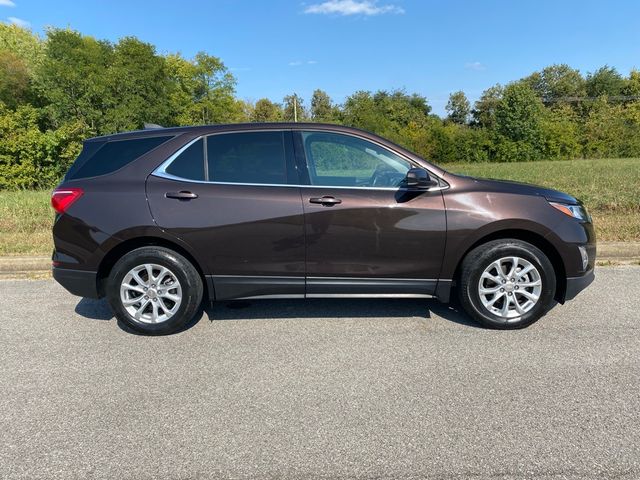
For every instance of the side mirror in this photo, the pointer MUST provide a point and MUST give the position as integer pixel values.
(419, 178)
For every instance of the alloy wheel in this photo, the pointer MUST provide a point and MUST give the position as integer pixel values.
(150, 293)
(510, 287)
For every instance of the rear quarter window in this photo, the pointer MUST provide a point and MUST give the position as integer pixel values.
(189, 164)
(101, 158)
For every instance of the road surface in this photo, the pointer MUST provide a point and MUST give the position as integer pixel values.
(384, 389)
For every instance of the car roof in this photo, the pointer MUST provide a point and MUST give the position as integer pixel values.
(221, 127)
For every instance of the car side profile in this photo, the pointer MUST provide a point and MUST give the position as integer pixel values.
(158, 220)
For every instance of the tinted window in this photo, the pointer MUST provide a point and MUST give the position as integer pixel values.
(190, 163)
(113, 155)
(343, 160)
(248, 157)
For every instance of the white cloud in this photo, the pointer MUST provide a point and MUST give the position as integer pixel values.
(352, 7)
(477, 66)
(297, 63)
(7, 3)
(19, 22)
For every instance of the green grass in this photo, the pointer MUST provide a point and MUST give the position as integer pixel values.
(609, 187)
(25, 223)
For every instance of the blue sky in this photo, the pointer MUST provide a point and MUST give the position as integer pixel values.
(275, 47)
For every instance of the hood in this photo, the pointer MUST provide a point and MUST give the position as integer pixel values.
(520, 188)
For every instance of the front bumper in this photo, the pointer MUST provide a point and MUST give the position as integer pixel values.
(77, 282)
(576, 284)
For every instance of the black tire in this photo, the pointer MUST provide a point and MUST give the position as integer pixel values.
(186, 274)
(478, 259)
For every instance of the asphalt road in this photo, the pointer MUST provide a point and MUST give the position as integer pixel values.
(379, 389)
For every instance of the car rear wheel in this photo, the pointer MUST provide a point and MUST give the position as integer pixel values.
(154, 290)
(507, 284)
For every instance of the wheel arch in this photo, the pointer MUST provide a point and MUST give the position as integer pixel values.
(534, 239)
(124, 247)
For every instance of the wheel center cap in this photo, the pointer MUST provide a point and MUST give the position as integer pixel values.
(151, 293)
(509, 287)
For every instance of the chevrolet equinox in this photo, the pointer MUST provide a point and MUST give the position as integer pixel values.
(160, 219)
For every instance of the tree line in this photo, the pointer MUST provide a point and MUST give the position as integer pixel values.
(58, 90)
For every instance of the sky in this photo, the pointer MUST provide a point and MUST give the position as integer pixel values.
(431, 47)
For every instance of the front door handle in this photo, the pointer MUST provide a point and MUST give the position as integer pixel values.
(327, 201)
(182, 195)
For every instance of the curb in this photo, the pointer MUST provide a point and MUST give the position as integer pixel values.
(37, 266)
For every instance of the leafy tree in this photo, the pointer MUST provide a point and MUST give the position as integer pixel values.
(519, 118)
(73, 78)
(519, 113)
(604, 81)
(30, 157)
(390, 114)
(458, 108)
(484, 110)
(604, 130)
(22, 43)
(266, 111)
(632, 87)
(14, 79)
(137, 87)
(322, 108)
(557, 83)
(293, 108)
(203, 91)
(561, 132)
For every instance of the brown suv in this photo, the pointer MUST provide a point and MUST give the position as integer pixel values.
(155, 220)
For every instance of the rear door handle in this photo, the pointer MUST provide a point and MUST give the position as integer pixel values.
(182, 195)
(327, 201)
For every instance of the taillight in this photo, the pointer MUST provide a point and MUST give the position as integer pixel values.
(63, 198)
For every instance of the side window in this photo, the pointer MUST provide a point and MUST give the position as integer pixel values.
(247, 157)
(112, 155)
(340, 160)
(190, 163)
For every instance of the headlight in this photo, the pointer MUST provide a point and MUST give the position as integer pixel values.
(575, 211)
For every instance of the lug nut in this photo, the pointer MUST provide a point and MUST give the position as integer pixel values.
(146, 298)
(509, 294)
(502, 289)
(504, 281)
(145, 289)
(513, 279)
(517, 287)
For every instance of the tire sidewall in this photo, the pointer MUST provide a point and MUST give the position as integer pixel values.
(522, 250)
(191, 286)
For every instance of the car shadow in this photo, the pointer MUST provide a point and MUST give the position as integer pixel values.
(336, 308)
(299, 309)
(94, 309)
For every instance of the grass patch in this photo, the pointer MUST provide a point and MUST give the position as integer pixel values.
(609, 187)
(25, 223)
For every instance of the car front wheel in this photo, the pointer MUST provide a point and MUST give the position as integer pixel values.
(507, 284)
(154, 290)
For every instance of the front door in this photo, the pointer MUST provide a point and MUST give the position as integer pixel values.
(365, 233)
(233, 199)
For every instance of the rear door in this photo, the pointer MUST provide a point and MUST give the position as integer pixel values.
(364, 232)
(233, 198)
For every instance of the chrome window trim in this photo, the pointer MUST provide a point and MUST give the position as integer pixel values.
(161, 171)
